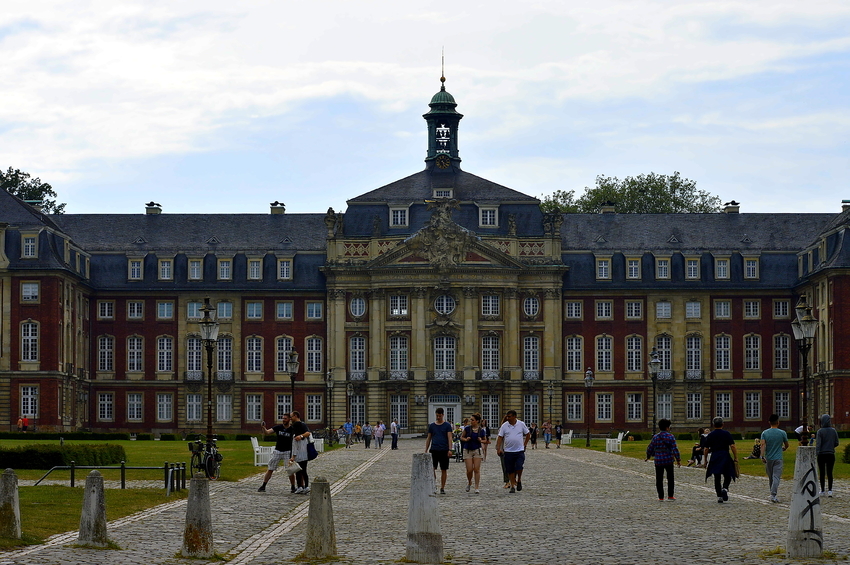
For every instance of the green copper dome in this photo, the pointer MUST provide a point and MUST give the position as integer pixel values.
(443, 97)
(442, 102)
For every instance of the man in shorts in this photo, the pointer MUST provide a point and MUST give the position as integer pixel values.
(513, 437)
(439, 445)
(282, 449)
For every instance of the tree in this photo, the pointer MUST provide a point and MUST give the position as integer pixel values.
(24, 187)
(643, 194)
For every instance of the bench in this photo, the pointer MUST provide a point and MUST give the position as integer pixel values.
(615, 444)
(567, 439)
(262, 453)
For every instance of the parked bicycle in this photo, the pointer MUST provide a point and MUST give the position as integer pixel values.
(330, 435)
(205, 457)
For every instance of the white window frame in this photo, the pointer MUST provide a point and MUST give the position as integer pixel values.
(224, 407)
(225, 269)
(752, 352)
(105, 353)
(634, 353)
(254, 310)
(634, 406)
(490, 353)
(490, 305)
(604, 309)
(194, 407)
(782, 404)
(284, 269)
(692, 269)
(135, 354)
(445, 353)
(781, 308)
(135, 269)
(29, 401)
(693, 406)
(253, 354)
(664, 405)
(135, 310)
(399, 352)
(751, 268)
(314, 407)
(663, 310)
(604, 354)
(490, 409)
(693, 309)
(604, 406)
(445, 304)
(575, 407)
(664, 348)
(193, 310)
(782, 352)
(633, 270)
(105, 406)
(166, 270)
(531, 353)
(164, 407)
(315, 310)
(531, 306)
(283, 344)
(224, 310)
(693, 353)
(603, 269)
(723, 405)
(488, 217)
(573, 309)
(30, 292)
(357, 306)
(662, 268)
(194, 353)
(283, 406)
(357, 354)
(399, 409)
(723, 352)
(283, 310)
(752, 405)
(106, 309)
(196, 269)
(253, 407)
(30, 345)
(255, 269)
(164, 354)
(531, 407)
(398, 217)
(165, 310)
(575, 345)
(29, 246)
(723, 309)
(721, 268)
(634, 310)
(752, 309)
(315, 354)
(399, 305)
(135, 407)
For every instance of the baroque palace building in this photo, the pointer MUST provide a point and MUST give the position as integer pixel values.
(439, 289)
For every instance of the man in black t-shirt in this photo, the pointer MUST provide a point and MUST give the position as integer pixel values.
(439, 444)
(282, 449)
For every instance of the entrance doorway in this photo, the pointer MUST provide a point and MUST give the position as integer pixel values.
(450, 403)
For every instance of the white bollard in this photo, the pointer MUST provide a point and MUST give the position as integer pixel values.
(10, 506)
(805, 526)
(197, 535)
(93, 516)
(321, 535)
(424, 540)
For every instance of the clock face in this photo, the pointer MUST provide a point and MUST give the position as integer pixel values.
(443, 162)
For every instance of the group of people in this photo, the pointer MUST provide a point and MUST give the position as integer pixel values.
(291, 429)
(716, 452)
(367, 432)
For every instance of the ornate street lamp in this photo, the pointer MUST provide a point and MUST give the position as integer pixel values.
(550, 388)
(654, 366)
(292, 365)
(588, 384)
(805, 326)
(209, 335)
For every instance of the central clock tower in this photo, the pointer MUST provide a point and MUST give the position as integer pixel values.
(443, 120)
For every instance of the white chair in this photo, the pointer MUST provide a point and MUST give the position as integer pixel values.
(567, 439)
(615, 444)
(262, 453)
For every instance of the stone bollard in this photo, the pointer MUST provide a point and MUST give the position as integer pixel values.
(424, 540)
(93, 517)
(10, 506)
(197, 535)
(321, 535)
(805, 527)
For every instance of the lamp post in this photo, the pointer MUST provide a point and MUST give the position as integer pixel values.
(292, 365)
(550, 388)
(588, 384)
(209, 335)
(654, 365)
(804, 326)
(330, 384)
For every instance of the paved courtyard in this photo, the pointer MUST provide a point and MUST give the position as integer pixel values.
(577, 506)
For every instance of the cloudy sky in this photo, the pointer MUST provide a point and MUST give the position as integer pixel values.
(220, 106)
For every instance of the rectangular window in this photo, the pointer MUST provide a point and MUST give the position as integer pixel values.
(398, 217)
(194, 355)
(398, 305)
(490, 357)
(634, 310)
(105, 309)
(633, 269)
(398, 353)
(314, 310)
(752, 405)
(444, 353)
(29, 401)
(105, 406)
(398, 409)
(603, 269)
(721, 269)
(224, 270)
(752, 352)
(722, 352)
(314, 407)
(30, 248)
(751, 268)
(164, 310)
(283, 406)
(574, 407)
(284, 344)
(253, 407)
(193, 310)
(693, 406)
(224, 407)
(781, 355)
(490, 305)
(357, 354)
(134, 406)
(166, 270)
(722, 309)
(531, 356)
(254, 310)
(164, 407)
(782, 405)
(663, 310)
(357, 407)
(255, 269)
(490, 410)
(164, 354)
(604, 403)
(193, 407)
(29, 341)
(195, 269)
(634, 406)
(29, 292)
(254, 355)
(780, 308)
(603, 353)
(135, 354)
(693, 354)
(723, 405)
(284, 269)
(531, 407)
(442, 193)
(664, 348)
(284, 310)
(314, 355)
(752, 309)
(574, 359)
(664, 405)
(135, 310)
(224, 310)
(692, 269)
(662, 268)
(604, 309)
(105, 352)
(634, 353)
(488, 217)
(574, 310)
(693, 309)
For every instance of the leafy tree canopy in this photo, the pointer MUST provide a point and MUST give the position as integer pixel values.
(643, 194)
(24, 187)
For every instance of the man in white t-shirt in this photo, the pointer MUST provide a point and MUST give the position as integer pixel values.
(394, 433)
(513, 437)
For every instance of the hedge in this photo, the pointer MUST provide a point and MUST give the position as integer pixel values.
(846, 457)
(47, 456)
(167, 437)
(65, 435)
(144, 437)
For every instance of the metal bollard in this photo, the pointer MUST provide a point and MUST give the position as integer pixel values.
(175, 477)
(123, 475)
(183, 476)
(72, 473)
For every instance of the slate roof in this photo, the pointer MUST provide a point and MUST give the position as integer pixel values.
(18, 213)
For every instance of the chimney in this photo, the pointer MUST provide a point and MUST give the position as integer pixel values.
(731, 207)
(153, 208)
(608, 207)
(845, 205)
(278, 207)
(37, 204)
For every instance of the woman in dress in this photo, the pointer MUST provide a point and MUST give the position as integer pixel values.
(471, 439)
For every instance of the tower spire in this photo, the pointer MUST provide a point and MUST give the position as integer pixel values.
(443, 69)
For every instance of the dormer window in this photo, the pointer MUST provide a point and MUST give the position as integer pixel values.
(442, 193)
(29, 248)
(398, 217)
(488, 217)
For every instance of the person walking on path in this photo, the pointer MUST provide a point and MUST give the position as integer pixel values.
(513, 437)
(439, 445)
(486, 441)
(719, 443)
(379, 434)
(547, 433)
(358, 432)
(534, 431)
(471, 438)
(349, 432)
(299, 452)
(559, 432)
(367, 434)
(394, 433)
(282, 450)
(773, 442)
(664, 450)
(827, 441)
